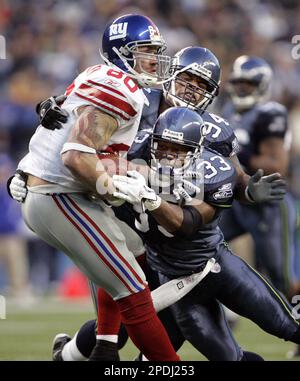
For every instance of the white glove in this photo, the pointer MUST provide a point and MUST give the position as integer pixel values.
(184, 189)
(18, 189)
(133, 189)
(180, 193)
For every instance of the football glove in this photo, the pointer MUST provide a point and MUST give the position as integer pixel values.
(189, 186)
(51, 115)
(16, 186)
(265, 188)
(133, 189)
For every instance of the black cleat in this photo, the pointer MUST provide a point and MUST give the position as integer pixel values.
(105, 351)
(59, 341)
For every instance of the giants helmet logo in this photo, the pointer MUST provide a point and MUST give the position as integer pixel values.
(117, 31)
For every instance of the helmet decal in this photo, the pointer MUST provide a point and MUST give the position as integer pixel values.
(118, 31)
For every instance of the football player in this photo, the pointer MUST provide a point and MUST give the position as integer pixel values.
(104, 104)
(262, 130)
(182, 237)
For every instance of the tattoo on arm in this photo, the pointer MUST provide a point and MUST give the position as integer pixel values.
(93, 128)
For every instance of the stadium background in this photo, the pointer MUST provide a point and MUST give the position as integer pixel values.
(47, 43)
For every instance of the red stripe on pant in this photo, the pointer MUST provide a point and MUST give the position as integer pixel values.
(108, 241)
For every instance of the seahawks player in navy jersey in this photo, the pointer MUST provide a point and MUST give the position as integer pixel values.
(181, 238)
(194, 83)
(262, 131)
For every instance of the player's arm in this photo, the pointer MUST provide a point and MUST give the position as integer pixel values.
(272, 157)
(91, 133)
(242, 180)
(185, 220)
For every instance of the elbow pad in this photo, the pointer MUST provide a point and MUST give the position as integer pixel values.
(191, 223)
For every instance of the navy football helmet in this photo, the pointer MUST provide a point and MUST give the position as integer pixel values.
(181, 129)
(254, 72)
(121, 42)
(199, 62)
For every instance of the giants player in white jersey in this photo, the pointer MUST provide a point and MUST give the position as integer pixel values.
(105, 104)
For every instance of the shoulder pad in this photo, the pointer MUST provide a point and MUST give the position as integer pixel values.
(272, 107)
(219, 135)
(218, 178)
(271, 120)
(108, 89)
(140, 148)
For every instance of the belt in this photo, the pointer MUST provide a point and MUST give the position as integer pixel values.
(172, 291)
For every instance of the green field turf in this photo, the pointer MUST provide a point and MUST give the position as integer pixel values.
(27, 333)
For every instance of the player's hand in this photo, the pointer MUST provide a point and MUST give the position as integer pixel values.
(16, 187)
(181, 194)
(265, 188)
(51, 115)
(187, 191)
(133, 189)
(188, 185)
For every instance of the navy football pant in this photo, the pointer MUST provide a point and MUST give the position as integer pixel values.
(200, 318)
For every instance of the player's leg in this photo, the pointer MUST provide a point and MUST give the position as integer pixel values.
(108, 327)
(272, 227)
(109, 332)
(90, 236)
(248, 293)
(202, 322)
(166, 316)
(274, 239)
(78, 348)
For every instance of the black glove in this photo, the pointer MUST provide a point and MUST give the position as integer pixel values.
(51, 115)
(265, 188)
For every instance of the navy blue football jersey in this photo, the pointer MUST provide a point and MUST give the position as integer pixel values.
(176, 255)
(219, 135)
(255, 125)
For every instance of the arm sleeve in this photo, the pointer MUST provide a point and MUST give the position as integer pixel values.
(220, 194)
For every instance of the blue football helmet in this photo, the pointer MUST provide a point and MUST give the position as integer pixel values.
(121, 41)
(181, 128)
(254, 71)
(195, 61)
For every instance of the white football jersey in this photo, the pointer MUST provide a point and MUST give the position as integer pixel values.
(104, 87)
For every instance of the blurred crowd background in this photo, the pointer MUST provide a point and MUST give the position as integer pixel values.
(49, 42)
